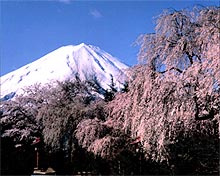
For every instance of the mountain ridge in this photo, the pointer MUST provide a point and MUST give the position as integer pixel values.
(86, 61)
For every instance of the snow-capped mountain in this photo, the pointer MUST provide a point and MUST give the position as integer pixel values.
(86, 61)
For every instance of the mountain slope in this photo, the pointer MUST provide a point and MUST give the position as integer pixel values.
(86, 61)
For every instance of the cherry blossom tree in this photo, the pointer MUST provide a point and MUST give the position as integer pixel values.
(174, 93)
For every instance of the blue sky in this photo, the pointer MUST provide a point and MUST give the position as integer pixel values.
(31, 29)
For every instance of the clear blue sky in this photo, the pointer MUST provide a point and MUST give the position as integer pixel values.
(31, 29)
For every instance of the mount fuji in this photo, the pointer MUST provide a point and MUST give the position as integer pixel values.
(65, 63)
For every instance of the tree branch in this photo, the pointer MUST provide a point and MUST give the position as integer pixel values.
(173, 68)
(210, 115)
(190, 57)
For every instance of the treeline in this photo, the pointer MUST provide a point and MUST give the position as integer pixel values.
(164, 121)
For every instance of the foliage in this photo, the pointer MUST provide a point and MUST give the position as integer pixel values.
(61, 109)
(18, 122)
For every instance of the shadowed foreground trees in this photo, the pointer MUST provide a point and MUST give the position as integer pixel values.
(51, 113)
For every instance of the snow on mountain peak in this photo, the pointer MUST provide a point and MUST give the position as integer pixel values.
(86, 61)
